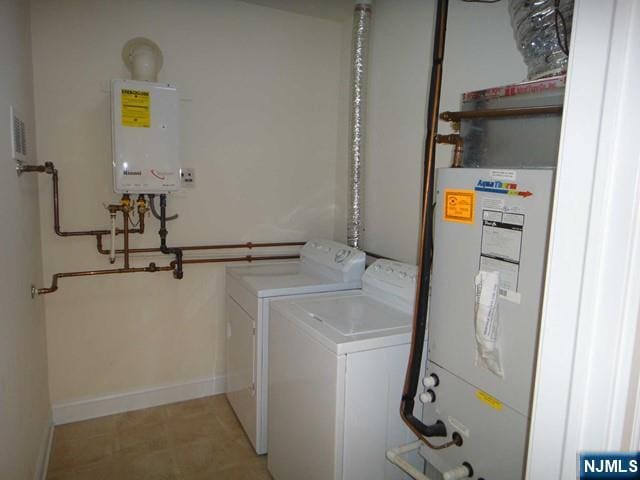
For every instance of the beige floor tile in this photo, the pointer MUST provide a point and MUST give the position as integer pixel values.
(200, 458)
(190, 409)
(142, 440)
(70, 454)
(85, 429)
(196, 440)
(194, 429)
(159, 465)
(101, 471)
(140, 418)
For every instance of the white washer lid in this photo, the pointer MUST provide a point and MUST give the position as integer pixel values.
(285, 278)
(355, 315)
(346, 322)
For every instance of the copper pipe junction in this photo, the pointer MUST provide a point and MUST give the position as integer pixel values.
(153, 268)
(90, 273)
(453, 139)
(125, 207)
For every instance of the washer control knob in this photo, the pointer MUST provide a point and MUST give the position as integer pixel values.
(342, 255)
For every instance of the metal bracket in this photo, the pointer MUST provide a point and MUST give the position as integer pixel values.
(34, 291)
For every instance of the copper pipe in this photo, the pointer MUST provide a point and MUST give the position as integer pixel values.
(152, 268)
(50, 169)
(230, 246)
(501, 113)
(412, 377)
(453, 139)
(31, 169)
(246, 258)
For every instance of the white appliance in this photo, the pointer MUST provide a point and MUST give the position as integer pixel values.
(145, 137)
(324, 266)
(336, 369)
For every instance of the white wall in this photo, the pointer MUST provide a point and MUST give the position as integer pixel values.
(24, 397)
(259, 126)
(480, 52)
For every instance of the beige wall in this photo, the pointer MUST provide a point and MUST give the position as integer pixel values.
(480, 52)
(24, 397)
(258, 123)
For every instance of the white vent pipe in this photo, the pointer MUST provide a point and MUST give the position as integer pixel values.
(359, 70)
(143, 59)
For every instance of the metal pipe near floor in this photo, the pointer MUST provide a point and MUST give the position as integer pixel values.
(412, 377)
(359, 70)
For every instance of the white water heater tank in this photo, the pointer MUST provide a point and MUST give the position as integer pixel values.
(145, 137)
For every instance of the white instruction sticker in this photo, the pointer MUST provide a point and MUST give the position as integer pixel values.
(500, 249)
(501, 240)
(509, 175)
(493, 203)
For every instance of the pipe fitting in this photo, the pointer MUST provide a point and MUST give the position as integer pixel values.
(458, 142)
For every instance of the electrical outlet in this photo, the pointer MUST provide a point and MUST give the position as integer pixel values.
(188, 177)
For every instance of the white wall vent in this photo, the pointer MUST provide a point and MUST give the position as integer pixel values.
(18, 136)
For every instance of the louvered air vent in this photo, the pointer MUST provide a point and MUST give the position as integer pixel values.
(18, 136)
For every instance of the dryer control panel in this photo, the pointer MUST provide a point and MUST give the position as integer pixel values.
(334, 259)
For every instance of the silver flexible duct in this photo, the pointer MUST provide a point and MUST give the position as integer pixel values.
(542, 29)
(359, 64)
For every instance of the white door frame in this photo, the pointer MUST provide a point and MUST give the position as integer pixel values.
(586, 395)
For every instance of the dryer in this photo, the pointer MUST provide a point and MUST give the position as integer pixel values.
(324, 266)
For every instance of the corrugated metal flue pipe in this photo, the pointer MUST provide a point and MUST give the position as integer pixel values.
(542, 30)
(359, 68)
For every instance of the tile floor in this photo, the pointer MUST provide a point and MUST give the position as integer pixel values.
(193, 440)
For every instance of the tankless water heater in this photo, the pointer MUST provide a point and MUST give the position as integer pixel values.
(145, 137)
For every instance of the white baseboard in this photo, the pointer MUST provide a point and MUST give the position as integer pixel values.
(45, 450)
(134, 400)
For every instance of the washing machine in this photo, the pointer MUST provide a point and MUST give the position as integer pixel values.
(336, 370)
(324, 266)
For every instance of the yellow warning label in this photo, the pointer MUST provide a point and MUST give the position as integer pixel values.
(136, 108)
(489, 400)
(459, 205)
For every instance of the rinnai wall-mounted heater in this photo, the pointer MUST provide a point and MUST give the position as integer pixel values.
(145, 137)
(145, 125)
